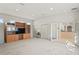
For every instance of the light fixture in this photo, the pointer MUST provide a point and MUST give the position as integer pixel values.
(51, 8)
(20, 5)
(28, 23)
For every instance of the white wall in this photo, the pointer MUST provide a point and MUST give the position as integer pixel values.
(76, 17)
(56, 19)
(64, 18)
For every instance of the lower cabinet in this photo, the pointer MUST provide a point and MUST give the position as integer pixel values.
(11, 38)
(26, 36)
(20, 36)
(16, 37)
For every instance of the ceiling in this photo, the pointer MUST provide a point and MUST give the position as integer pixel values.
(36, 10)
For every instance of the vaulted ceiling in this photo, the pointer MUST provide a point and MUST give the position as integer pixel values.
(36, 10)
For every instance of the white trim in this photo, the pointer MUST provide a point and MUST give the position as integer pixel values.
(51, 32)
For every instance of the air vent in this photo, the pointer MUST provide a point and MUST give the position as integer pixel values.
(74, 8)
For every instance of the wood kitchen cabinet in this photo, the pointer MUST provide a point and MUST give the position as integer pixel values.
(26, 36)
(17, 34)
(20, 36)
(16, 37)
(11, 38)
(28, 29)
(20, 25)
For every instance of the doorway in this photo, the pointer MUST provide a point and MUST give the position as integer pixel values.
(49, 31)
(66, 33)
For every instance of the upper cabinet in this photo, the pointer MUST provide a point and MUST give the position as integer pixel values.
(20, 25)
(28, 28)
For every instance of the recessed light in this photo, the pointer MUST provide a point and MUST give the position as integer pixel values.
(51, 8)
(17, 9)
(33, 15)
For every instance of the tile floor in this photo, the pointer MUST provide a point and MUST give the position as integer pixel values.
(38, 47)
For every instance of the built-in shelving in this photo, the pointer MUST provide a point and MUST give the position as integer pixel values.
(17, 31)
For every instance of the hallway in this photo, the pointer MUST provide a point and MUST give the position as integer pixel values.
(37, 47)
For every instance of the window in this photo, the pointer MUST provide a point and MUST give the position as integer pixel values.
(1, 20)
